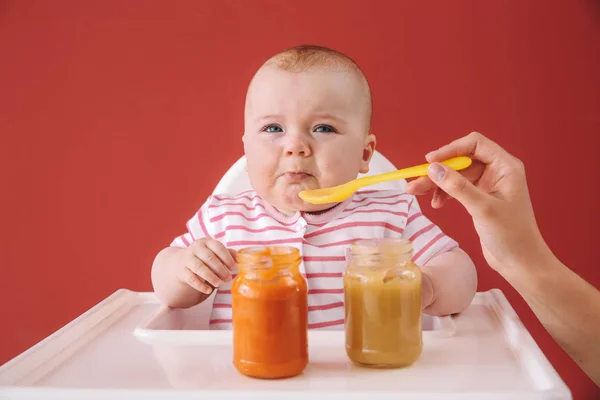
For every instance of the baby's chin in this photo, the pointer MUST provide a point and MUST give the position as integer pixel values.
(315, 208)
(289, 202)
(297, 204)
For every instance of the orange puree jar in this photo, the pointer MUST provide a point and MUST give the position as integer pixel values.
(270, 313)
(382, 290)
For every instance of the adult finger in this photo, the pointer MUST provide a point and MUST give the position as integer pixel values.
(474, 145)
(439, 198)
(459, 187)
(424, 184)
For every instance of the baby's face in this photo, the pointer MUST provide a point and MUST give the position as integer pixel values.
(305, 130)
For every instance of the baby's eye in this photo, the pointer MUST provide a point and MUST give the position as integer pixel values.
(325, 129)
(272, 129)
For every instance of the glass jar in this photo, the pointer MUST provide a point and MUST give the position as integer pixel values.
(269, 313)
(382, 290)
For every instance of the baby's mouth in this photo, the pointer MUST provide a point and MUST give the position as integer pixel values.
(295, 176)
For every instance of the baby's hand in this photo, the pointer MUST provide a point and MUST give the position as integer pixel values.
(205, 265)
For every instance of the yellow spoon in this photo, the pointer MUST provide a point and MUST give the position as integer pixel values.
(340, 193)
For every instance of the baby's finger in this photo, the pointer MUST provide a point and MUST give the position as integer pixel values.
(223, 253)
(212, 261)
(205, 274)
(194, 281)
(233, 254)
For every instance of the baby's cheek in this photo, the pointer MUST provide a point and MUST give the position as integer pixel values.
(258, 181)
(334, 174)
(260, 170)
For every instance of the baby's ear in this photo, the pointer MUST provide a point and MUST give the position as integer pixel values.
(368, 151)
(246, 160)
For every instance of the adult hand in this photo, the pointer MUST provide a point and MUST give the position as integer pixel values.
(494, 191)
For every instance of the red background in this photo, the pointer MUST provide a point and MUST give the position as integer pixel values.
(117, 118)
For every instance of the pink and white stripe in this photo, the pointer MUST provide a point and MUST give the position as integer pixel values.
(245, 220)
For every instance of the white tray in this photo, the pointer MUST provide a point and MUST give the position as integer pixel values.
(189, 326)
(97, 356)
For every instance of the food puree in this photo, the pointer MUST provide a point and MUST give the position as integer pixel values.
(270, 313)
(382, 290)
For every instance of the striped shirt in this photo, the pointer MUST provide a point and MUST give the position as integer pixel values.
(246, 220)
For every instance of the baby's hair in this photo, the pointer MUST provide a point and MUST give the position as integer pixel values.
(302, 58)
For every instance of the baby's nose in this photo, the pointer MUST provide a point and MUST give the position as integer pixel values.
(297, 146)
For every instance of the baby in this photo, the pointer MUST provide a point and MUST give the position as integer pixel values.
(307, 126)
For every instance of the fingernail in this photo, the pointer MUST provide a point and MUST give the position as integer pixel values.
(430, 154)
(436, 172)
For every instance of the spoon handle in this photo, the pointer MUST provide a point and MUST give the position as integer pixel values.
(457, 163)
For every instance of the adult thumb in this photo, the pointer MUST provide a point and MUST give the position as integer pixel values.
(457, 186)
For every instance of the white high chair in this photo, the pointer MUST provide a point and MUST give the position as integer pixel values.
(236, 181)
(168, 356)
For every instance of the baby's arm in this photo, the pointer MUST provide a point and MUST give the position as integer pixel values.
(449, 275)
(449, 282)
(168, 288)
(183, 273)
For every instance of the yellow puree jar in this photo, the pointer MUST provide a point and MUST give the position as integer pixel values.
(382, 290)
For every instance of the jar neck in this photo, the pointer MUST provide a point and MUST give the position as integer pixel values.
(379, 260)
(267, 263)
(380, 253)
(247, 267)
